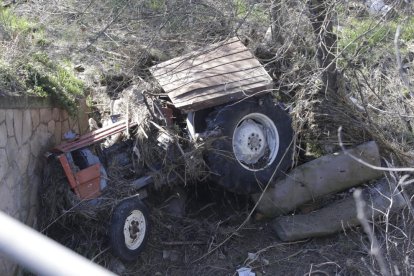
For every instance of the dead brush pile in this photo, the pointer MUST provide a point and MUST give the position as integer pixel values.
(83, 225)
(157, 150)
(362, 83)
(161, 146)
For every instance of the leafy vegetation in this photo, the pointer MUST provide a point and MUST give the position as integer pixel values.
(51, 79)
(31, 70)
(364, 34)
(14, 24)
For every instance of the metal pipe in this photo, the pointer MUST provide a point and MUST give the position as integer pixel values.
(41, 254)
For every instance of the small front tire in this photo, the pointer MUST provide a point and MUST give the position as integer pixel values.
(129, 229)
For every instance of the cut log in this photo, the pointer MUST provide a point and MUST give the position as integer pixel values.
(379, 199)
(325, 175)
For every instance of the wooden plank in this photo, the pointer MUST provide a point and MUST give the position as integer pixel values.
(214, 75)
(222, 99)
(226, 66)
(214, 59)
(227, 89)
(215, 80)
(221, 63)
(158, 69)
(211, 92)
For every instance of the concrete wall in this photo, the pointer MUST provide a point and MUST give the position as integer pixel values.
(28, 127)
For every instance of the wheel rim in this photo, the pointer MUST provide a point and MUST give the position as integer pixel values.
(134, 229)
(255, 142)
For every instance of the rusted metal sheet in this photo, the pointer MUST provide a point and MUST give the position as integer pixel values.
(220, 73)
(94, 136)
(85, 183)
(89, 180)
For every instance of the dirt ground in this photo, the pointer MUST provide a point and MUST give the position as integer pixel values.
(212, 237)
(194, 244)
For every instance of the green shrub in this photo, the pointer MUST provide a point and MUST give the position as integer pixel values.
(48, 78)
(13, 23)
(365, 34)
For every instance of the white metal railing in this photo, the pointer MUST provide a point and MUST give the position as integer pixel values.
(40, 254)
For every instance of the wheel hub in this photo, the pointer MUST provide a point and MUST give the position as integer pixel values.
(249, 142)
(134, 229)
(255, 141)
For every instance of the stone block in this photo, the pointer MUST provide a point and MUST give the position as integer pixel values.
(18, 125)
(51, 127)
(12, 150)
(4, 164)
(32, 166)
(7, 267)
(23, 160)
(45, 115)
(35, 117)
(2, 115)
(9, 122)
(39, 140)
(58, 132)
(65, 127)
(27, 126)
(64, 115)
(7, 203)
(3, 135)
(56, 114)
(75, 128)
(83, 123)
(72, 122)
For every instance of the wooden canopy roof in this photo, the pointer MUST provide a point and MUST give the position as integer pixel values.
(217, 74)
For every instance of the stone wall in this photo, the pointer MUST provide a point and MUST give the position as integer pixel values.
(28, 127)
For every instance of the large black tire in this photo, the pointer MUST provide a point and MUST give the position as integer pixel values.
(131, 215)
(226, 169)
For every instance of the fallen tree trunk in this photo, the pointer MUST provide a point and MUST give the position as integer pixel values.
(379, 199)
(325, 175)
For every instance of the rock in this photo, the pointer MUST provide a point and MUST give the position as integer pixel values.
(9, 122)
(339, 215)
(58, 132)
(35, 118)
(65, 126)
(7, 267)
(3, 135)
(79, 68)
(9, 191)
(326, 175)
(117, 266)
(45, 115)
(2, 115)
(171, 255)
(176, 204)
(51, 127)
(12, 150)
(64, 115)
(4, 165)
(378, 7)
(56, 114)
(23, 160)
(18, 125)
(40, 140)
(27, 126)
